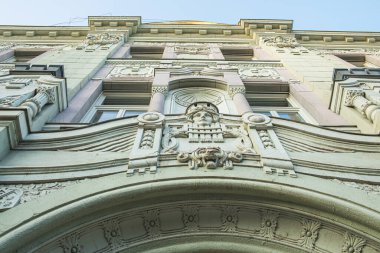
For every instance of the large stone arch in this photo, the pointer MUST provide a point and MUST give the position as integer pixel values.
(245, 212)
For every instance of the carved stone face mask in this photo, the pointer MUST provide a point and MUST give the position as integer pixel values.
(202, 118)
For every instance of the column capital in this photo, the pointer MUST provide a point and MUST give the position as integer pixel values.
(160, 89)
(233, 90)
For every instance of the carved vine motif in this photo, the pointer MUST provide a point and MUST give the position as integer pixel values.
(192, 50)
(309, 233)
(281, 41)
(112, 233)
(190, 218)
(147, 139)
(71, 244)
(353, 243)
(34, 191)
(15, 100)
(210, 158)
(152, 223)
(268, 223)
(230, 218)
(364, 187)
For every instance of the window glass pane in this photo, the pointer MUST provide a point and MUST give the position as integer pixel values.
(104, 115)
(291, 116)
(265, 113)
(132, 113)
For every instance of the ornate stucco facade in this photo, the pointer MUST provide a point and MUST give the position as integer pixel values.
(189, 136)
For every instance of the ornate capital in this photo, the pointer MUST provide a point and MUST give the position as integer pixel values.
(233, 90)
(159, 89)
(351, 94)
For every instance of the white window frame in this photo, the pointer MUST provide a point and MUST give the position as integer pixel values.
(98, 106)
(294, 107)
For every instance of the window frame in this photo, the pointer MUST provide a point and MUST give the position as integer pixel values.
(121, 109)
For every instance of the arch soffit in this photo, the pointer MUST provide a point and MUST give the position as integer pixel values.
(188, 82)
(89, 208)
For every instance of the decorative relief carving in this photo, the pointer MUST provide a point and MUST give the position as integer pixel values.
(233, 90)
(71, 244)
(210, 158)
(194, 49)
(351, 94)
(258, 73)
(230, 218)
(102, 40)
(112, 233)
(5, 68)
(190, 218)
(15, 100)
(139, 69)
(264, 230)
(159, 89)
(152, 223)
(29, 192)
(266, 140)
(280, 41)
(147, 139)
(364, 187)
(268, 223)
(9, 197)
(44, 95)
(353, 243)
(309, 233)
(189, 96)
(204, 127)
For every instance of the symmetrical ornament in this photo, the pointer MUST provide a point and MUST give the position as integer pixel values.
(268, 225)
(233, 90)
(353, 243)
(194, 49)
(210, 158)
(356, 98)
(280, 41)
(265, 139)
(186, 97)
(255, 73)
(103, 40)
(112, 233)
(230, 218)
(309, 233)
(190, 218)
(147, 139)
(152, 222)
(144, 69)
(71, 244)
(159, 89)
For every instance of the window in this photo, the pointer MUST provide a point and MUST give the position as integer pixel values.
(24, 54)
(146, 53)
(358, 60)
(237, 54)
(287, 109)
(108, 107)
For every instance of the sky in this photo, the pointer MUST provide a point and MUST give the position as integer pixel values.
(334, 15)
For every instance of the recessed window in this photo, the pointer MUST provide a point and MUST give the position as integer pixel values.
(146, 53)
(237, 54)
(358, 60)
(103, 109)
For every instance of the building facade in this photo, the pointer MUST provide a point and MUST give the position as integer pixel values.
(189, 136)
